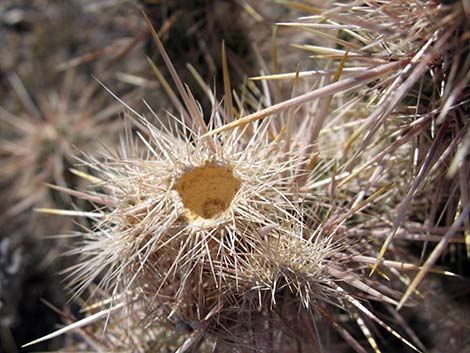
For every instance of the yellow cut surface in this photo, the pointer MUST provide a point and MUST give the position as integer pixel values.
(207, 191)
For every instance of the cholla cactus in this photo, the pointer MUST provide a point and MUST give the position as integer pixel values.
(39, 144)
(214, 232)
(245, 234)
(420, 109)
(233, 235)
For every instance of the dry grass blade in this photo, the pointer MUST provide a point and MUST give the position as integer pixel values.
(327, 90)
(81, 323)
(190, 104)
(169, 92)
(434, 256)
(342, 331)
(369, 314)
(70, 213)
(92, 179)
(416, 183)
(227, 88)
